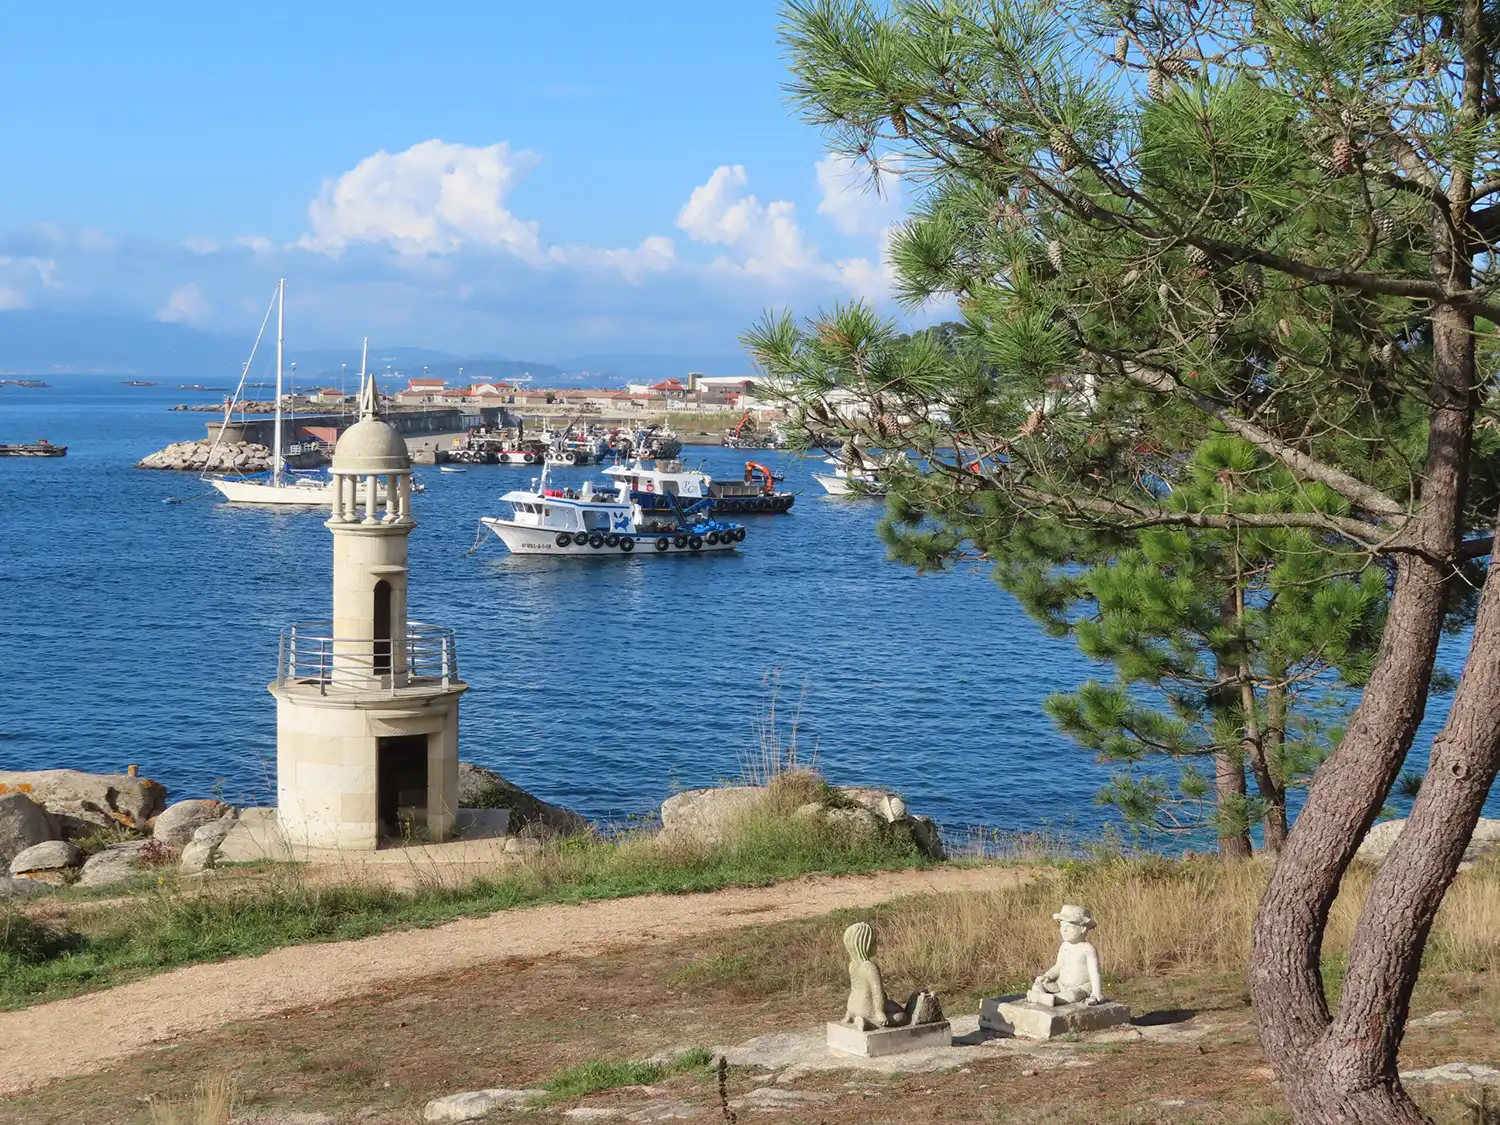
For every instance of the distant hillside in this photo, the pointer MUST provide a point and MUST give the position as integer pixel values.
(37, 342)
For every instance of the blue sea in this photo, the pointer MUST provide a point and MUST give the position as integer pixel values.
(139, 631)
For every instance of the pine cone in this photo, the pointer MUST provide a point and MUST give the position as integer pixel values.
(1164, 293)
(1130, 279)
(1342, 156)
(1156, 84)
(1190, 53)
(1385, 224)
(1255, 283)
(1388, 355)
(1197, 256)
(1122, 49)
(1066, 152)
(1173, 65)
(1055, 254)
(898, 120)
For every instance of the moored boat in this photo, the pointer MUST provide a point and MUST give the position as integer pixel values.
(858, 475)
(654, 485)
(557, 521)
(39, 448)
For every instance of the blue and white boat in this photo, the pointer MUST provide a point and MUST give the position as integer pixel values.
(567, 521)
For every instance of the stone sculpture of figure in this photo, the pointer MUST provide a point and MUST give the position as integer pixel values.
(868, 1007)
(1074, 978)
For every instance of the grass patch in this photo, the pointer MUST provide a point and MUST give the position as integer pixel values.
(1158, 919)
(173, 924)
(602, 1074)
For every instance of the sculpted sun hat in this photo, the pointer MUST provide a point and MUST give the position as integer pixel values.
(1077, 915)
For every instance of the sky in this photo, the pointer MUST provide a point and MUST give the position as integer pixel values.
(519, 179)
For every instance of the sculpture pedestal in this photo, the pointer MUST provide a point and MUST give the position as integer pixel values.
(1014, 1015)
(846, 1040)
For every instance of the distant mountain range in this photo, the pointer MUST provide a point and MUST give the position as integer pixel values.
(36, 342)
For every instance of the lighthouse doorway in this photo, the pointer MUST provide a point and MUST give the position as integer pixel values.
(401, 783)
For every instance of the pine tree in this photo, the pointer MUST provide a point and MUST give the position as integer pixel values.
(1269, 221)
(1237, 636)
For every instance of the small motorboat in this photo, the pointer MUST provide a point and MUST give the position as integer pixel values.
(451, 469)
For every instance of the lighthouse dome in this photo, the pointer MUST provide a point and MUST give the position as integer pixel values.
(371, 446)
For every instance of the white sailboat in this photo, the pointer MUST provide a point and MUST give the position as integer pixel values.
(277, 487)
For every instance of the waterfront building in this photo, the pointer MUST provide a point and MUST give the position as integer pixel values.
(367, 703)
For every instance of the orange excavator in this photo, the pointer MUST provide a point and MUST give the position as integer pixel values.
(740, 428)
(755, 468)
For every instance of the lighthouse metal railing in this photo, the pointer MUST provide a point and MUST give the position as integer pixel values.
(310, 654)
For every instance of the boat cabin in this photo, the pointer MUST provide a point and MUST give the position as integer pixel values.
(554, 510)
(668, 478)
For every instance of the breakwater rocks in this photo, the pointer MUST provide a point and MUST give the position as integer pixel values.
(230, 456)
(267, 407)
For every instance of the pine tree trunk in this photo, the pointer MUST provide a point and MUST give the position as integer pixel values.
(1229, 791)
(1345, 1072)
(1271, 783)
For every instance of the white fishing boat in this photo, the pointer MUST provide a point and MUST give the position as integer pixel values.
(565, 521)
(858, 475)
(450, 469)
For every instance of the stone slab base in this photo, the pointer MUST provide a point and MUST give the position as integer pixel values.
(1012, 1015)
(846, 1040)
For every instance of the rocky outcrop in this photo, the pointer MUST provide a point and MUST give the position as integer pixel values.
(229, 457)
(1382, 837)
(480, 787)
(122, 861)
(202, 851)
(49, 862)
(23, 823)
(19, 888)
(178, 822)
(80, 800)
(478, 1104)
(707, 815)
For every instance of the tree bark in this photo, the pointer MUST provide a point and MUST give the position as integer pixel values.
(1229, 792)
(1347, 792)
(1360, 1048)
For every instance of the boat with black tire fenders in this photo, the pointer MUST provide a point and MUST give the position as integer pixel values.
(657, 485)
(606, 522)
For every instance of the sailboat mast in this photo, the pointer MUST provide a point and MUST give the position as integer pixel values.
(280, 344)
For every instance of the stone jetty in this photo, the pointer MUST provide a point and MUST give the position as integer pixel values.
(231, 456)
(248, 407)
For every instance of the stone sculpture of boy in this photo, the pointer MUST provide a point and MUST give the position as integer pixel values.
(1075, 977)
(868, 1007)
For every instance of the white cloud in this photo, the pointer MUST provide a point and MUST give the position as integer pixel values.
(258, 244)
(433, 198)
(765, 236)
(22, 277)
(185, 305)
(857, 198)
(655, 254)
(200, 245)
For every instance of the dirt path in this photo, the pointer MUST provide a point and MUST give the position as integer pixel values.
(81, 1035)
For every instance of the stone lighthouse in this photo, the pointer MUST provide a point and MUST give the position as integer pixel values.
(367, 704)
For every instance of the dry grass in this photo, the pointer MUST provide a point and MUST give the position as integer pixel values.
(212, 1103)
(1158, 918)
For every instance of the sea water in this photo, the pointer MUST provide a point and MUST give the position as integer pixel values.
(141, 631)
